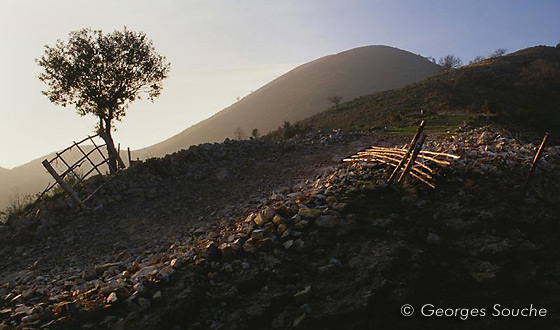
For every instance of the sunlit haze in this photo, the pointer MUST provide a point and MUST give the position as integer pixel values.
(221, 50)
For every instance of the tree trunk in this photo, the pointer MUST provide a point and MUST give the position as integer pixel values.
(105, 134)
(112, 155)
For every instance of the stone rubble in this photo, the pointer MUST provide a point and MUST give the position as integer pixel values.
(286, 224)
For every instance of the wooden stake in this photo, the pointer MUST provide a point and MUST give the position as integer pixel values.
(408, 152)
(404, 150)
(129, 158)
(412, 159)
(417, 176)
(534, 164)
(49, 187)
(71, 169)
(420, 155)
(63, 184)
(389, 157)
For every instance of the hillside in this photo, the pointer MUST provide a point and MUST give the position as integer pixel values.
(258, 235)
(20, 181)
(303, 92)
(520, 88)
(293, 96)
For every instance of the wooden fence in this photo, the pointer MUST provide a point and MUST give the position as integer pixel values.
(73, 178)
(417, 163)
(411, 161)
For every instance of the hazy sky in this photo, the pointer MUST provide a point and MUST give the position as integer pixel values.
(220, 50)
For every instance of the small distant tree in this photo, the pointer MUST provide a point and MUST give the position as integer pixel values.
(498, 52)
(450, 62)
(239, 134)
(335, 100)
(255, 133)
(286, 130)
(477, 59)
(431, 59)
(101, 74)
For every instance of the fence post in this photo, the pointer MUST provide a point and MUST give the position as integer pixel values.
(63, 184)
(129, 159)
(412, 159)
(534, 164)
(408, 152)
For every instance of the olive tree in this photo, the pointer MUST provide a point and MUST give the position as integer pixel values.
(101, 74)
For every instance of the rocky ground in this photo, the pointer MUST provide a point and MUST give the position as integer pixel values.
(253, 235)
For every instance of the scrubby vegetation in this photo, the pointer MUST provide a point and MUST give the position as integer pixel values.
(286, 131)
(17, 204)
(518, 89)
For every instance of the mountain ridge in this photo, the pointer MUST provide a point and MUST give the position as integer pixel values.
(332, 74)
(303, 91)
(519, 88)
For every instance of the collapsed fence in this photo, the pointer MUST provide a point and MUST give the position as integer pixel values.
(412, 160)
(419, 163)
(73, 176)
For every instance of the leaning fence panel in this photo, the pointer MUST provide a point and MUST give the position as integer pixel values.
(72, 167)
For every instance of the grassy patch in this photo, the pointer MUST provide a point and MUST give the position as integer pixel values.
(438, 125)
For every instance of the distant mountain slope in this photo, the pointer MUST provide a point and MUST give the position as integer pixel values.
(20, 181)
(522, 88)
(294, 96)
(303, 92)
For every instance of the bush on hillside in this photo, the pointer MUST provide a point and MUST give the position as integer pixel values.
(286, 131)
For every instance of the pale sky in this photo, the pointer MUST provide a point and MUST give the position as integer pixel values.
(220, 50)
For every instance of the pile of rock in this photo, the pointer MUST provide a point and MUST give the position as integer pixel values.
(204, 162)
(261, 241)
(486, 149)
(492, 152)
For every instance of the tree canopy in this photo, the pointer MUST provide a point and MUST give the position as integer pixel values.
(498, 52)
(450, 62)
(101, 74)
(335, 100)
